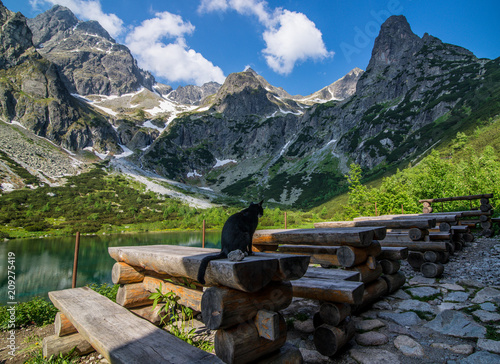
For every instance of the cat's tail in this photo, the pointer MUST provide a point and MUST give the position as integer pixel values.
(204, 265)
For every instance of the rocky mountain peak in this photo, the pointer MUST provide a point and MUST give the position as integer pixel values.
(339, 90)
(15, 39)
(193, 95)
(395, 42)
(88, 58)
(51, 23)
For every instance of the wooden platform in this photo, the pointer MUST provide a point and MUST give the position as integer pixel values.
(119, 335)
(249, 275)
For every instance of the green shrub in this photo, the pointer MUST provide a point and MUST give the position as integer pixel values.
(37, 311)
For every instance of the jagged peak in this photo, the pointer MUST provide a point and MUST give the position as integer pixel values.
(395, 41)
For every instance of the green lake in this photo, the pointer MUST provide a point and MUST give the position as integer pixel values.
(44, 265)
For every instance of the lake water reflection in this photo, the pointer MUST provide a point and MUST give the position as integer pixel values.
(44, 265)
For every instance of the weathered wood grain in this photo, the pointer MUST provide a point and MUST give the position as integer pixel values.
(249, 275)
(422, 223)
(133, 295)
(63, 326)
(393, 253)
(222, 307)
(332, 274)
(188, 297)
(329, 339)
(122, 273)
(55, 345)
(361, 236)
(119, 335)
(328, 290)
(242, 343)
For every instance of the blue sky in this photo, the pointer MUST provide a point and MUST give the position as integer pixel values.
(301, 46)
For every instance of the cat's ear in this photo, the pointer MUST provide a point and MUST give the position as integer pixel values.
(260, 203)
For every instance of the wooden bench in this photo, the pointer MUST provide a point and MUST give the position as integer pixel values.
(119, 335)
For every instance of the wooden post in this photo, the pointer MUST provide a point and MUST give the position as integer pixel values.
(286, 222)
(376, 211)
(75, 260)
(203, 241)
(402, 210)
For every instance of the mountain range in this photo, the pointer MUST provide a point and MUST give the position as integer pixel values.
(69, 82)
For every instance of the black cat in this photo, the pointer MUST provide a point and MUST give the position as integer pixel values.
(237, 234)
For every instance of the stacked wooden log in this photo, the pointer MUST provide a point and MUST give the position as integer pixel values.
(241, 300)
(475, 217)
(412, 232)
(369, 272)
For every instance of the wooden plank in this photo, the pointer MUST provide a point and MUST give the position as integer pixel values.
(308, 249)
(328, 290)
(119, 335)
(378, 231)
(345, 236)
(422, 223)
(249, 275)
(332, 274)
(440, 217)
(393, 253)
(414, 245)
(458, 198)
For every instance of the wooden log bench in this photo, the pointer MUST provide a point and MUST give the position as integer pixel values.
(119, 335)
(241, 300)
(249, 275)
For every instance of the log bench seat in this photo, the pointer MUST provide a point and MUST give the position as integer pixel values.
(119, 335)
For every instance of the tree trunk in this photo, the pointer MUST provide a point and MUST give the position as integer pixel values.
(223, 307)
(389, 266)
(416, 259)
(432, 270)
(122, 273)
(333, 313)
(394, 281)
(242, 343)
(329, 339)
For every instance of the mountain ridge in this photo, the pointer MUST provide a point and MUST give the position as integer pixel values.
(246, 137)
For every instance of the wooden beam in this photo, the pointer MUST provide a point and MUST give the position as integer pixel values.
(422, 223)
(326, 290)
(249, 275)
(188, 297)
(345, 236)
(119, 335)
(332, 274)
(458, 198)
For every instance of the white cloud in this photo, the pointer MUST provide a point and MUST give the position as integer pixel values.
(295, 39)
(173, 61)
(290, 37)
(89, 10)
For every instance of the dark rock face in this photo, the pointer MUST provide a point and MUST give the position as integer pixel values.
(194, 95)
(88, 58)
(32, 93)
(15, 39)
